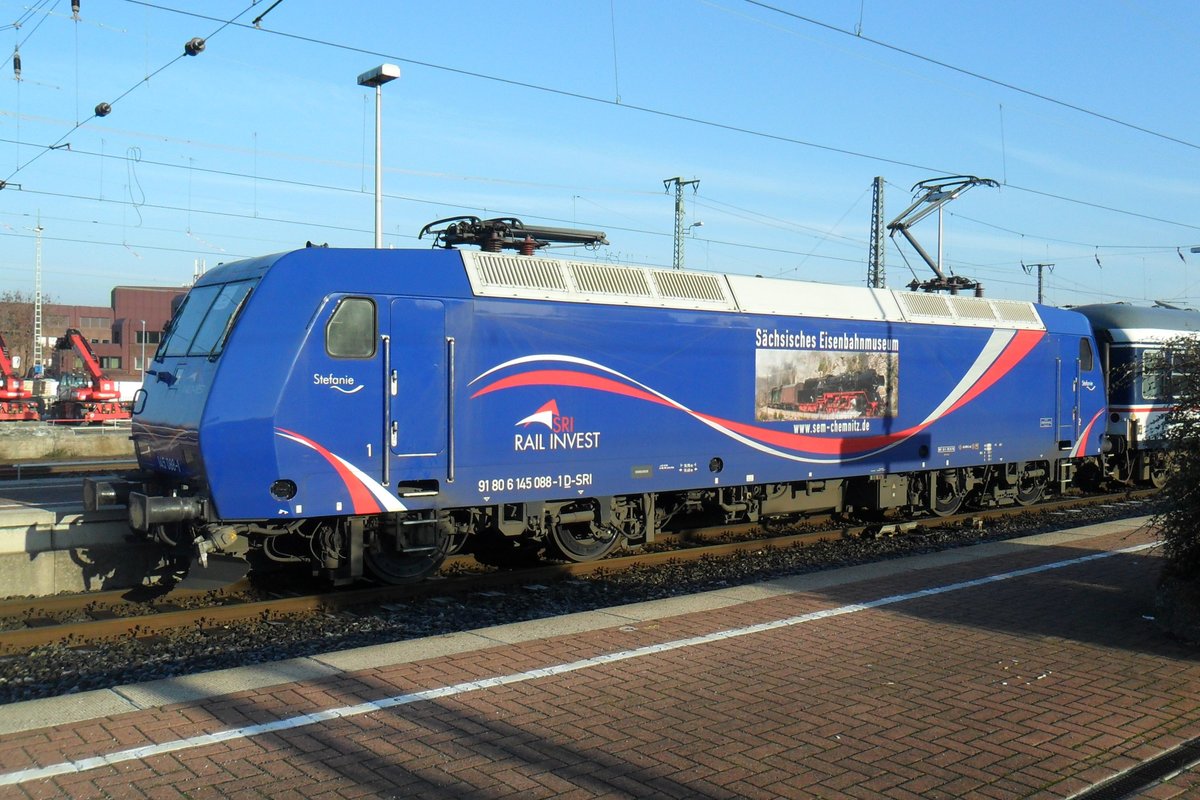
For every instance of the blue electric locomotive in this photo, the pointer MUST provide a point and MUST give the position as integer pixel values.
(374, 410)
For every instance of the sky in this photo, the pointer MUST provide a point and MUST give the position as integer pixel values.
(574, 113)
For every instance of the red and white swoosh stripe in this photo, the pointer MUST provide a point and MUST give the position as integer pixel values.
(367, 496)
(1003, 350)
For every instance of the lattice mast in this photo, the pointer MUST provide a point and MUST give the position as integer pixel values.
(1041, 284)
(876, 277)
(37, 295)
(680, 227)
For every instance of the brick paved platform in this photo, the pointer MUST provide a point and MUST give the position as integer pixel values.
(1019, 669)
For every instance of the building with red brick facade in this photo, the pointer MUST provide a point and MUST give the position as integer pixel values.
(123, 335)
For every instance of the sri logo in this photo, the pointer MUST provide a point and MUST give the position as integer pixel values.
(548, 415)
(562, 434)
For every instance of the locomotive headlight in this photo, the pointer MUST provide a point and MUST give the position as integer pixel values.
(283, 489)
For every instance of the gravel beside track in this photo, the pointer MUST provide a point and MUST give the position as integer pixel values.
(58, 669)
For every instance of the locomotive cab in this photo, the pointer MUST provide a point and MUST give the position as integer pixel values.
(290, 420)
(170, 500)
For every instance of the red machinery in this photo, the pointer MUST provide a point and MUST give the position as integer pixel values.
(98, 400)
(16, 401)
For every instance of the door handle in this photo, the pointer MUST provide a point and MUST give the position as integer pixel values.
(387, 407)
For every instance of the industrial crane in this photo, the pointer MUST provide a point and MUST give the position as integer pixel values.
(16, 400)
(97, 400)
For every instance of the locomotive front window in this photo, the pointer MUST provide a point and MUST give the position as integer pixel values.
(1085, 355)
(187, 321)
(350, 332)
(220, 318)
(205, 319)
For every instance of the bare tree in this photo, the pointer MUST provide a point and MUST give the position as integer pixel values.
(1178, 521)
(16, 324)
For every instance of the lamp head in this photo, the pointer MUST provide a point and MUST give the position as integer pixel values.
(379, 76)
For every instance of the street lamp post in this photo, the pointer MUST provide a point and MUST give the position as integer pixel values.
(378, 77)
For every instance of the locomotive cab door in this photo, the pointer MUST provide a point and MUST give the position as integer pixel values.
(416, 389)
(1068, 388)
(337, 383)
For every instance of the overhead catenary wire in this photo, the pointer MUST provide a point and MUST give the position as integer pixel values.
(26, 15)
(710, 202)
(644, 109)
(660, 112)
(701, 122)
(997, 279)
(191, 168)
(1095, 245)
(357, 230)
(191, 48)
(1149, 248)
(972, 74)
(36, 8)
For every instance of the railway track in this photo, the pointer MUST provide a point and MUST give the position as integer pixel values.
(83, 466)
(87, 620)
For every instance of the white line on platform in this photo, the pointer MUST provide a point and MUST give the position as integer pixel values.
(304, 720)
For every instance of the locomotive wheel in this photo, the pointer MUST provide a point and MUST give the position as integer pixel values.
(421, 549)
(948, 492)
(1158, 469)
(1030, 489)
(581, 540)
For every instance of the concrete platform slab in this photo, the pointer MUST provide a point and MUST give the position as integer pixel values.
(49, 544)
(1025, 670)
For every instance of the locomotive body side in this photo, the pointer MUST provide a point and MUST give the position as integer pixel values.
(375, 410)
(654, 400)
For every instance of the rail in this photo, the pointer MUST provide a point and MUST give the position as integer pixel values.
(31, 622)
(15, 471)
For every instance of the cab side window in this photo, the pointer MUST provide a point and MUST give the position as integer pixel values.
(350, 332)
(1085, 355)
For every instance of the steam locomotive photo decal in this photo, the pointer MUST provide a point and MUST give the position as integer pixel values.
(823, 384)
